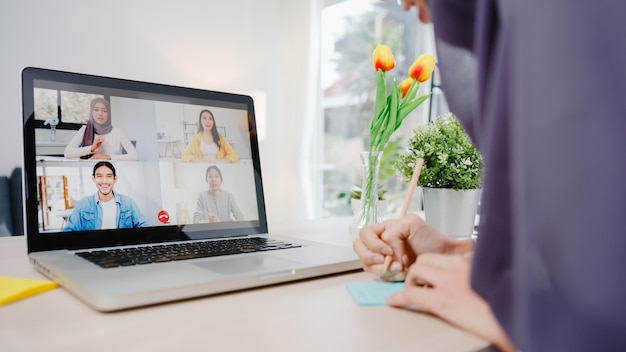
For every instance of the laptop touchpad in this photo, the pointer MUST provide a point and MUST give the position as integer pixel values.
(247, 264)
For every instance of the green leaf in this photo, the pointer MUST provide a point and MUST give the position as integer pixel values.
(410, 106)
(393, 106)
(376, 125)
(390, 124)
(410, 95)
(377, 137)
(381, 93)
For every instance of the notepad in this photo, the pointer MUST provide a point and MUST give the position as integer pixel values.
(373, 293)
(13, 288)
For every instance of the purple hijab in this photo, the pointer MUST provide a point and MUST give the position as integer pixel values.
(94, 127)
(549, 119)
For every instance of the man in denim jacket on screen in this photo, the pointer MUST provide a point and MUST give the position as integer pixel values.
(105, 209)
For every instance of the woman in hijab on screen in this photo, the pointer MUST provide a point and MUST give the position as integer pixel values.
(99, 139)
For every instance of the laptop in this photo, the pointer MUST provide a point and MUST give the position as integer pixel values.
(179, 224)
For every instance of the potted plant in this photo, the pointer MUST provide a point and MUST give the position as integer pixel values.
(387, 170)
(354, 198)
(451, 175)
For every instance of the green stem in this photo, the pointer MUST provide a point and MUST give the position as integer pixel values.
(369, 191)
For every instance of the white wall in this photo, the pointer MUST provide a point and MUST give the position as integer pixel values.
(233, 45)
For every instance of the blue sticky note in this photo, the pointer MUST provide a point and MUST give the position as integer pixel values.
(373, 293)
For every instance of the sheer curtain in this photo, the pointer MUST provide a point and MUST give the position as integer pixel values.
(292, 143)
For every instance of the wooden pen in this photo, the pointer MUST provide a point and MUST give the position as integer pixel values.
(405, 207)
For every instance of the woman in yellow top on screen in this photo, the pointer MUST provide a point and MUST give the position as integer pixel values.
(208, 145)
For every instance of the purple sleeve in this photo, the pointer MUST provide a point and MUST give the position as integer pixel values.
(453, 21)
(551, 123)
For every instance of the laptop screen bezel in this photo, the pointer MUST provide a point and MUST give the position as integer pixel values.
(107, 238)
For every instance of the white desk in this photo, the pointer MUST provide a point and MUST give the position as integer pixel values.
(311, 315)
(50, 148)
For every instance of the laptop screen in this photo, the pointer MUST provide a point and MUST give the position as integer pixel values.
(109, 161)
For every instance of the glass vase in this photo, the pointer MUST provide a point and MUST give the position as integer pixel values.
(368, 212)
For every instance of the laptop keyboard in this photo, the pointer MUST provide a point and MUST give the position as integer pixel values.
(181, 251)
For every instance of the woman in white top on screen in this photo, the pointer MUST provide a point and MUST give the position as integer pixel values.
(99, 140)
(208, 145)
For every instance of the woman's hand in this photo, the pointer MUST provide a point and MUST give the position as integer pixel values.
(97, 143)
(403, 239)
(211, 159)
(100, 156)
(440, 284)
(371, 249)
(422, 9)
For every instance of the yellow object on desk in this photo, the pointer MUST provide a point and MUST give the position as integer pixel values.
(13, 288)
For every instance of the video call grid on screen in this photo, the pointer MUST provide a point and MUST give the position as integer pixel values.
(159, 125)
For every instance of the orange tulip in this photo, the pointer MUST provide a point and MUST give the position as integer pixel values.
(405, 85)
(383, 58)
(422, 68)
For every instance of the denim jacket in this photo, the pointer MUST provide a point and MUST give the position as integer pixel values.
(87, 214)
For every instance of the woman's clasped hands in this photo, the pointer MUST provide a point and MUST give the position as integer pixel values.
(404, 239)
(436, 274)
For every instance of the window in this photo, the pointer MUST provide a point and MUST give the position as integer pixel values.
(57, 191)
(46, 104)
(75, 107)
(350, 31)
(71, 108)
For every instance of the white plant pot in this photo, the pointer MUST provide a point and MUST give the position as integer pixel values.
(451, 212)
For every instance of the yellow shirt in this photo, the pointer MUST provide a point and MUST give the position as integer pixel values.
(193, 149)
